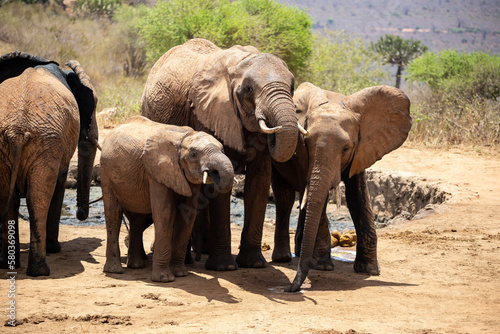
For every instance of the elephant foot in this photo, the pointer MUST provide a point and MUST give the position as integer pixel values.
(179, 271)
(367, 266)
(53, 246)
(251, 259)
(136, 262)
(324, 263)
(37, 268)
(162, 276)
(282, 254)
(113, 266)
(221, 263)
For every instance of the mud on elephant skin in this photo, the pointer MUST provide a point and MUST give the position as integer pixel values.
(347, 134)
(152, 173)
(45, 113)
(244, 98)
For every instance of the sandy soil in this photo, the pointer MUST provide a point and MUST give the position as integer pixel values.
(440, 274)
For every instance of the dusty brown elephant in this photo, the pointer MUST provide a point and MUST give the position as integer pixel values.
(347, 135)
(45, 113)
(243, 98)
(152, 172)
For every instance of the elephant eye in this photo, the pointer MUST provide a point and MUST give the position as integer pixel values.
(248, 89)
(193, 154)
(345, 149)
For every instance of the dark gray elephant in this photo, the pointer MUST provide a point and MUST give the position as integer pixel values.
(347, 134)
(243, 98)
(152, 172)
(45, 113)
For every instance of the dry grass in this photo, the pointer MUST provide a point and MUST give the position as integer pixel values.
(446, 121)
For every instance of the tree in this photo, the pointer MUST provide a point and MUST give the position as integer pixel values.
(343, 63)
(266, 24)
(398, 51)
(463, 75)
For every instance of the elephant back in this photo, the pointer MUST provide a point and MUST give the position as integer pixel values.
(12, 64)
(165, 95)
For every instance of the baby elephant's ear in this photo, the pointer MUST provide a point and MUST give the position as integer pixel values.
(160, 158)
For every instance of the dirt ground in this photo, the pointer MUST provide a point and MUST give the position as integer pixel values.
(440, 274)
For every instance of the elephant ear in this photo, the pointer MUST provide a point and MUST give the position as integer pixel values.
(160, 158)
(84, 93)
(211, 97)
(384, 125)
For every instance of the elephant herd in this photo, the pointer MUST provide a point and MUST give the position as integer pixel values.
(207, 114)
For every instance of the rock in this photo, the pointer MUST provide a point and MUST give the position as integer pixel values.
(105, 117)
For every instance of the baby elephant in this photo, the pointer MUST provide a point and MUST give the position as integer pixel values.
(153, 172)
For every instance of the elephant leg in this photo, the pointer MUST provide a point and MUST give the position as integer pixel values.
(54, 216)
(322, 248)
(164, 207)
(183, 227)
(136, 257)
(299, 233)
(284, 197)
(219, 254)
(41, 185)
(358, 202)
(9, 254)
(257, 182)
(113, 214)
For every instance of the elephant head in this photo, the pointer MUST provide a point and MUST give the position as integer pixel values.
(244, 89)
(195, 158)
(347, 135)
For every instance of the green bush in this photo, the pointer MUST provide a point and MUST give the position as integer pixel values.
(343, 63)
(91, 8)
(269, 26)
(458, 75)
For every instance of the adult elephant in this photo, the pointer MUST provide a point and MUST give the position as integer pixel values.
(45, 113)
(243, 98)
(347, 135)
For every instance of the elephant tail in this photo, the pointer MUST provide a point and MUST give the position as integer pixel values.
(18, 143)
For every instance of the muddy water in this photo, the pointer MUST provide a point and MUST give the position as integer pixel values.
(339, 219)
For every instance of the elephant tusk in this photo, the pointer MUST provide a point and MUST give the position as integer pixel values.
(96, 143)
(302, 130)
(236, 181)
(205, 176)
(266, 129)
(304, 200)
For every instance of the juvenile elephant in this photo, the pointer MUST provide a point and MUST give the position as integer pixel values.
(347, 135)
(44, 113)
(152, 172)
(243, 98)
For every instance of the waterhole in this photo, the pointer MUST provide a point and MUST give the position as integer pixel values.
(395, 196)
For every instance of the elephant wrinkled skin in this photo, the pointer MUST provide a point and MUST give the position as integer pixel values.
(152, 172)
(346, 136)
(243, 98)
(45, 113)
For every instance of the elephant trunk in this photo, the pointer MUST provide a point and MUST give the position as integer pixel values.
(87, 142)
(221, 171)
(86, 154)
(321, 180)
(280, 112)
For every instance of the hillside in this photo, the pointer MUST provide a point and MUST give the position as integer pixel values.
(442, 24)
